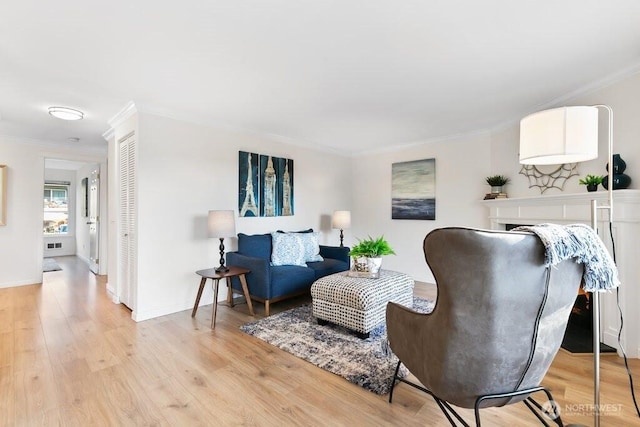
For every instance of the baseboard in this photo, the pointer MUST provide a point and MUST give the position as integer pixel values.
(21, 283)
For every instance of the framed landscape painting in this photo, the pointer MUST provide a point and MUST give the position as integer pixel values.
(413, 190)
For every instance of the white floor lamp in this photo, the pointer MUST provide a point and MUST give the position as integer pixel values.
(570, 135)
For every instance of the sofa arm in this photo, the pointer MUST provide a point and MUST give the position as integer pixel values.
(340, 253)
(258, 280)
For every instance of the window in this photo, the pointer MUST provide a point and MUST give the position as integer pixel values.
(56, 209)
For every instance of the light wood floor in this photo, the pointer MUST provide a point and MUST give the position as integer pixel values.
(69, 356)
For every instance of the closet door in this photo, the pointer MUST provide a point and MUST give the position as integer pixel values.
(127, 227)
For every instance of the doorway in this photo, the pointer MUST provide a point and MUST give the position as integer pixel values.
(71, 219)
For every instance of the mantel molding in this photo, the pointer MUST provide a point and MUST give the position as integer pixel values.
(563, 208)
(621, 196)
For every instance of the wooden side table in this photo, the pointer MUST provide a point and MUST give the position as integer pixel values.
(211, 273)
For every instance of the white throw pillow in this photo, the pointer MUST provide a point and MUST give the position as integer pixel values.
(288, 249)
(311, 243)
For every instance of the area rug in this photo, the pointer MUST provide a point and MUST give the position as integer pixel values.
(50, 264)
(368, 363)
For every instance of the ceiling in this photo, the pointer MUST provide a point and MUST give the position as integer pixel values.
(343, 75)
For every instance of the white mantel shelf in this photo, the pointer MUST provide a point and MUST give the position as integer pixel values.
(563, 207)
(575, 208)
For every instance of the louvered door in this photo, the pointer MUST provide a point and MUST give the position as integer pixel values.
(127, 227)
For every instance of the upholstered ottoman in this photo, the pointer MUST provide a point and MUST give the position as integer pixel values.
(359, 303)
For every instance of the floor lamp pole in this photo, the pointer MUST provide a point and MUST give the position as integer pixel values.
(595, 314)
(595, 296)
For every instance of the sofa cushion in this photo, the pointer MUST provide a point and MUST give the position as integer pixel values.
(288, 249)
(256, 245)
(290, 279)
(328, 266)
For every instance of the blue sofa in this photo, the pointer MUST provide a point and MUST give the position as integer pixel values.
(271, 283)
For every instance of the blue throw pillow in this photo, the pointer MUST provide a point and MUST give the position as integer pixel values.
(309, 230)
(288, 249)
(257, 245)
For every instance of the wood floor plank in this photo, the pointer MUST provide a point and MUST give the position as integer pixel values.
(69, 356)
(8, 400)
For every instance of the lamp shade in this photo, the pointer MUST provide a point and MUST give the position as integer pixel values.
(341, 220)
(222, 224)
(559, 135)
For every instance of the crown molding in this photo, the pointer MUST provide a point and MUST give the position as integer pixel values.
(124, 114)
(109, 134)
(93, 150)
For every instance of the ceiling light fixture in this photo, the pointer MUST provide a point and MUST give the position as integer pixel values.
(65, 113)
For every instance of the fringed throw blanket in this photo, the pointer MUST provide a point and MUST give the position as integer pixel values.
(578, 241)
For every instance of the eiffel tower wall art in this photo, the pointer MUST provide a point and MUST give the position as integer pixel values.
(265, 185)
(248, 184)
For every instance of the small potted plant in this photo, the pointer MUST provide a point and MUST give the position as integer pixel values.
(497, 182)
(367, 256)
(591, 181)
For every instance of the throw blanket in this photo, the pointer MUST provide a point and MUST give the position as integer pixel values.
(581, 242)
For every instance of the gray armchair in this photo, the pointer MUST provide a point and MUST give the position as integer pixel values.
(498, 322)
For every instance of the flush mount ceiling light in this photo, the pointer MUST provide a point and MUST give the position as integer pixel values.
(65, 113)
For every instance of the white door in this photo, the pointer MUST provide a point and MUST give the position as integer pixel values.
(94, 221)
(127, 227)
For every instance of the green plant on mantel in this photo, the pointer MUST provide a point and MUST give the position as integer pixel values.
(371, 248)
(591, 180)
(497, 180)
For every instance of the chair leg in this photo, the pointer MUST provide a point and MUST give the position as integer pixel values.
(529, 402)
(555, 415)
(446, 409)
(393, 381)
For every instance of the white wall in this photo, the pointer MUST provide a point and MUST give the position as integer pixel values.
(21, 240)
(185, 170)
(461, 166)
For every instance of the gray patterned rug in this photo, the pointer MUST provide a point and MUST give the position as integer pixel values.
(333, 348)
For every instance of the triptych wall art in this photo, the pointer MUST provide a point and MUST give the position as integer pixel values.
(265, 185)
(413, 190)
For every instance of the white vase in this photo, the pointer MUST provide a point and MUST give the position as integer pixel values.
(374, 264)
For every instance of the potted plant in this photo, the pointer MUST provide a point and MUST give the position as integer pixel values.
(497, 182)
(591, 181)
(367, 256)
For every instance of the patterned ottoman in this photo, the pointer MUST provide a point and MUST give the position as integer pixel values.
(359, 303)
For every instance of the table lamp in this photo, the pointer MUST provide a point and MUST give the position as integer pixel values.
(341, 220)
(221, 224)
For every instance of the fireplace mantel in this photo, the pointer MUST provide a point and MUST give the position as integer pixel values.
(575, 208)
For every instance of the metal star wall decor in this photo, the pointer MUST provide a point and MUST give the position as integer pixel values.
(546, 180)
